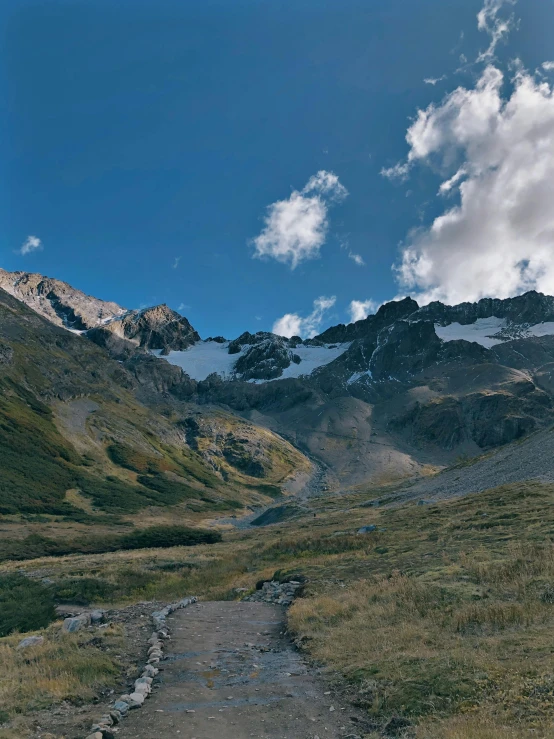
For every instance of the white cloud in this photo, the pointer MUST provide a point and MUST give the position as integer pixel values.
(183, 306)
(360, 309)
(356, 258)
(434, 80)
(295, 229)
(499, 240)
(31, 243)
(176, 262)
(448, 185)
(291, 324)
(548, 66)
(498, 28)
(326, 184)
(400, 171)
(423, 133)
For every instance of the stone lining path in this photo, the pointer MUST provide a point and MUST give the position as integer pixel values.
(230, 673)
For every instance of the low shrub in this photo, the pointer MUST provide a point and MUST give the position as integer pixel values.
(35, 546)
(169, 536)
(82, 590)
(25, 605)
(134, 460)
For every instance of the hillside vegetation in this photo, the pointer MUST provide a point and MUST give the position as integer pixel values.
(442, 616)
(81, 453)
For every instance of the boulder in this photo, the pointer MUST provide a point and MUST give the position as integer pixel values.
(367, 529)
(70, 625)
(97, 617)
(121, 707)
(30, 641)
(136, 698)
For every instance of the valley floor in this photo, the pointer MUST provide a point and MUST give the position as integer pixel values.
(439, 617)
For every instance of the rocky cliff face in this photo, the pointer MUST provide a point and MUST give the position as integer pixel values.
(57, 301)
(530, 308)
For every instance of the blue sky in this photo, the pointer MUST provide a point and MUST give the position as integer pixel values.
(144, 144)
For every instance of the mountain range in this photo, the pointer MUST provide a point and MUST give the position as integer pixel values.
(147, 403)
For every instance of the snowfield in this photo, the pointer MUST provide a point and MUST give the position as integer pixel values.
(491, 331)
(203, 358)
(313, 357)
(481, 331)
(206, 357)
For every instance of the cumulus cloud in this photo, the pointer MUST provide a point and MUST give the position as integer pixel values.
(356, 258)
(360, 309)
(295, 229)
(292, 324)
(499, 239)
(423, 133)
(31, 243)
(490, 20)
(548, 66)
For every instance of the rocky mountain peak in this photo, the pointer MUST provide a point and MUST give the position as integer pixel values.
(157, 329)
(57, 301)
(395, 310)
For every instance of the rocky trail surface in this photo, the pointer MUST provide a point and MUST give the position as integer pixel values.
(231, 673)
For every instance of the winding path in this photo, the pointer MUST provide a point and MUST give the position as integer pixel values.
(230, 673)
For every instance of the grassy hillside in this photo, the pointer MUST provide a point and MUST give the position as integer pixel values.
(442, 616)
(79, 452)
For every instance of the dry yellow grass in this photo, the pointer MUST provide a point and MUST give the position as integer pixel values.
(444, 614)
(484, 724)
(65, 667)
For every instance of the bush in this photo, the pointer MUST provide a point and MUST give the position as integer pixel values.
(82, 590)
(35, 546)
(169, 536)
(132, 459)
(25, 605)
(169, 492)
(115, 495)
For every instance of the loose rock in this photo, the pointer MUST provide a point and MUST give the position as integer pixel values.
(30, 641)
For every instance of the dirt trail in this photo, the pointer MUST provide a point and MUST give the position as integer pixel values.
(231, 674)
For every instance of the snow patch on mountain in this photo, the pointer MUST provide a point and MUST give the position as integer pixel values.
(358, 376)
(492, 331)
(203, 359)
(206, 357)
(482, 331)
(313, 357)
(542, 329)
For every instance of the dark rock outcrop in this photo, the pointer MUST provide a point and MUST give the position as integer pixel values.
(531, 307)
(157, 328)
(6, 354)
(404, 348)
(265, 360)
(160, 377)
(387, 314)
